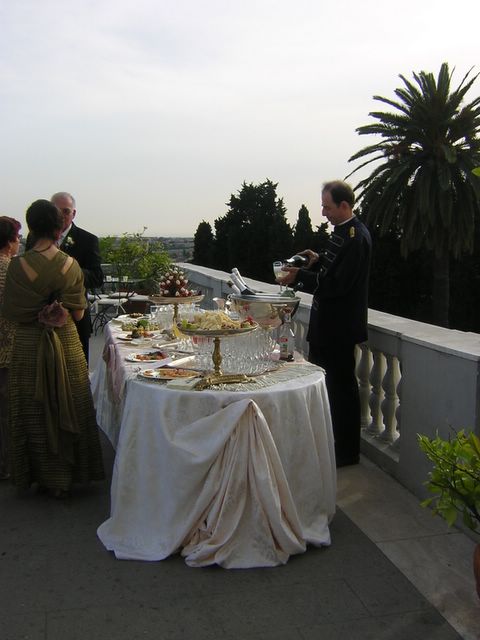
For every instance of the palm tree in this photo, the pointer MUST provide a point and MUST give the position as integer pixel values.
(423, 187)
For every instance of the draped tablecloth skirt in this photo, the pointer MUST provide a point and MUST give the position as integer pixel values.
(238, 479)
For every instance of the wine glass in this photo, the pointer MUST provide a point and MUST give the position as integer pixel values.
(279, 273)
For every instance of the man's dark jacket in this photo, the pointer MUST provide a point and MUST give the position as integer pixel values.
(340, 287)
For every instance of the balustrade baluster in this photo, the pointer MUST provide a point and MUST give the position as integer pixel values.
(390, 401)
(376, 376)
(396, 443)
(364, 365)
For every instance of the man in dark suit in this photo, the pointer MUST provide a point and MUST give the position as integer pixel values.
(338, 280)
(84, 247)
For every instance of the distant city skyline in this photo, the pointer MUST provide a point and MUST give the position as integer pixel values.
(153, 113)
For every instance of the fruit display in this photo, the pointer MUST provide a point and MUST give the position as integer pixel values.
(174, 283)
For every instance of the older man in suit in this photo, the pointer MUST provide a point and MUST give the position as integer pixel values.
(84, 247)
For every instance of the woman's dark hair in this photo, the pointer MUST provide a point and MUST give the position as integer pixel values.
(44, 220)
(9, 228)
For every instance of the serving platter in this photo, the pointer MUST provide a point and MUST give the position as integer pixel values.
(217, 333)
(149, 356)
(148, 336)
(168, 373)
(134, 317)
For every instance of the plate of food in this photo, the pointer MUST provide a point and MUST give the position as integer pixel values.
(149, 356)
(168, 373)
(215, 323)
(130, 317)
(141, 325)
(134, 335)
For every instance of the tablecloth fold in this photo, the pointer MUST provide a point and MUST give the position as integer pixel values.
(250, 519)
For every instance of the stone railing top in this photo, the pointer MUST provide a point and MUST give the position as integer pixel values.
(465, 344)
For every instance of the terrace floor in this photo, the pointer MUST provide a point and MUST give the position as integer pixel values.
(393, 571)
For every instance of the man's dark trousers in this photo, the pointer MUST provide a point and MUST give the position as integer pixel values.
(339, 364)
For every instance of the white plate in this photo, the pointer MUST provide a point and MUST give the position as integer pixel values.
(140, 358)
(152, 335)
(128, 318)
(168, 373)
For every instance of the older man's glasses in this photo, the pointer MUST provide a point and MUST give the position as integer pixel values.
(65, 211)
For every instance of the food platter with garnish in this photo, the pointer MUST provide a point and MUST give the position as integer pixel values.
(169, 373)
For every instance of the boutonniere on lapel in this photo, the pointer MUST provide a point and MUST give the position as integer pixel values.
(69, 242)
(352, 232)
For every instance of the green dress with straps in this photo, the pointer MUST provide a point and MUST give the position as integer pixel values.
(52, 428)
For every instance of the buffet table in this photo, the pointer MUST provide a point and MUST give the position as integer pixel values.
(239, 478)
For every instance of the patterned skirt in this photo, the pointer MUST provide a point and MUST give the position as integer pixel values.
(30, 459)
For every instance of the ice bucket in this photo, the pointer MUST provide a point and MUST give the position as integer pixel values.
(266, 310)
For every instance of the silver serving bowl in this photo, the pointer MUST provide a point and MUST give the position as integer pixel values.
(266, 310)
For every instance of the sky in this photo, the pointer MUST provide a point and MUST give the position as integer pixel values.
(152, 113)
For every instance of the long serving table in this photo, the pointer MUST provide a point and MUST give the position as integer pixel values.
(241, 477)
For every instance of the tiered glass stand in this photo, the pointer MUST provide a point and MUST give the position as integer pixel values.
(217, 334)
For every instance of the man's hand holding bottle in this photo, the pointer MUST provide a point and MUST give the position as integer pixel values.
(291, 271)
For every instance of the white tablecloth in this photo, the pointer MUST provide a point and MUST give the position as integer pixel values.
(240, 479)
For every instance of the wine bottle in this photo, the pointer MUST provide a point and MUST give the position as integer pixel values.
(233, 287)
(240, 278)
(297, 261)
(286, 339)
(239, 282)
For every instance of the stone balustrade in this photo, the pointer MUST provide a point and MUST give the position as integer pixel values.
(413, 378)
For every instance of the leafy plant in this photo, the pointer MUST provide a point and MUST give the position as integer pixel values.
(455, 477)
(134, 255)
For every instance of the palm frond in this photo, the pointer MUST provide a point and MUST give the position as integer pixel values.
(427, 143)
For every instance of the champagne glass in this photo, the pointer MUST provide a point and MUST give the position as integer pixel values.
(279, 273)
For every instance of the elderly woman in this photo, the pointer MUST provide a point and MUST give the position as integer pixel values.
(53, 434)
(9, 243)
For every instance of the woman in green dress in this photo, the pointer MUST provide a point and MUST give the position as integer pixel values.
(53, 435)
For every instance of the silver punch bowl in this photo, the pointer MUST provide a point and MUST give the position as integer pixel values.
(267, 310)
